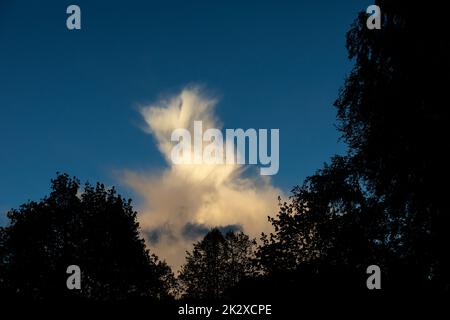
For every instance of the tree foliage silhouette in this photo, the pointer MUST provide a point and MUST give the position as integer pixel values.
(216, 264)
(96, 230)
(393, 116)
(323, 237)
(383, 202)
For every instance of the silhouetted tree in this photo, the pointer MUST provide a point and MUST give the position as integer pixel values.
(216, 264)
(393, 115)
(96, 230)
(324, 237)
(384, 202)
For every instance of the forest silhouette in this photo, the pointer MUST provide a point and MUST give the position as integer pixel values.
(383, 202)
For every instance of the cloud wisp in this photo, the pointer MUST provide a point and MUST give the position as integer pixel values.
(181, 202)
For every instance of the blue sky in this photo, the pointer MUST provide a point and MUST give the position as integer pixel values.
(69, 100)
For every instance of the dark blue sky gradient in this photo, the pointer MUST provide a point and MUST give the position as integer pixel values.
(69, 99)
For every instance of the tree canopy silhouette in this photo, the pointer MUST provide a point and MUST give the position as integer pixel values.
(216, 264)
(96, 230)
(393, 116)
(383, 202)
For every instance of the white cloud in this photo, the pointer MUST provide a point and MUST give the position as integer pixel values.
(182, 196)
